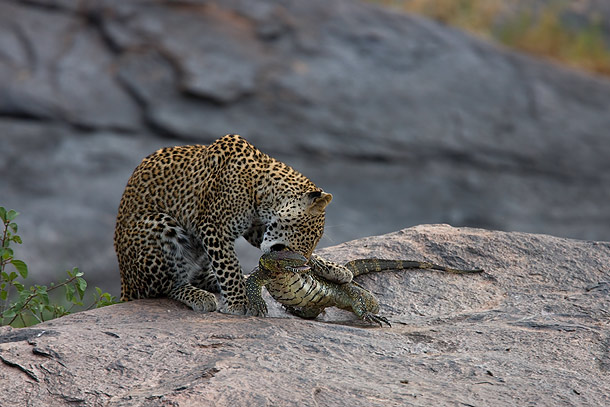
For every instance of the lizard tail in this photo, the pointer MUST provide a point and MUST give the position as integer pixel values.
(364, 266)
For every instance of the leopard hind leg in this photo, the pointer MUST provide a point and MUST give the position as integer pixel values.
(168, 262)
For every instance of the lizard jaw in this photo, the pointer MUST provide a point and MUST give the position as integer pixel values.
(299, 269)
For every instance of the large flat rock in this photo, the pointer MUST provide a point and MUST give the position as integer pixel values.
(532, 330)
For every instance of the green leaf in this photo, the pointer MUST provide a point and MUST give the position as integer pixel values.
(81, 285)
(13, 227)
(59, 311)
(8, 252)
(44, 297)
(110, 299)
(21, 267)
(11, 215)
(9, 313)
(40, 308)
(104, 299)
(2, 214)
(3, 295)
(17, 239)
(12, 276)
(70, 293)
(24, 294)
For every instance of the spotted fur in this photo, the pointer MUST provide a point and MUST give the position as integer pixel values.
(184, 207)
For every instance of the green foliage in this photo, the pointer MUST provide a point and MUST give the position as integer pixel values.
(25, 306)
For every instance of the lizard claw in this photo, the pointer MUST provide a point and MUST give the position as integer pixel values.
(372, 318)
(257, 308)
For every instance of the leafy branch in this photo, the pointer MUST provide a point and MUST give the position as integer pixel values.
(32, 305)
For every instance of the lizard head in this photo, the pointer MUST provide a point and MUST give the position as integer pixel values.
(283, 261)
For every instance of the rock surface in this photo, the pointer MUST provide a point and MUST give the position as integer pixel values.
(405, 121)
(532, 330)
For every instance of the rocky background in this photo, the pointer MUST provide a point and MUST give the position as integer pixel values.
(531, 330)
(404, 120)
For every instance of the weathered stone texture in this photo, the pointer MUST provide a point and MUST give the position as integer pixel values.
(532, 330)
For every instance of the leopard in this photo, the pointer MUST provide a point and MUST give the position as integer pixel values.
(184, 207)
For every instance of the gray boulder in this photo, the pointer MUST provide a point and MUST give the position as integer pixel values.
(533, 329)
(404, 120)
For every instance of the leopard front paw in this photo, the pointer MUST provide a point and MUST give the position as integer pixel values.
(234, 309)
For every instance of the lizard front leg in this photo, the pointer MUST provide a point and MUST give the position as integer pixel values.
(330, 271)
(254, 290)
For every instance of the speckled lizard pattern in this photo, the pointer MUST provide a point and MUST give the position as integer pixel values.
(297, 285)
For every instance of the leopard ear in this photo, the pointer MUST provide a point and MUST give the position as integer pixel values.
(316, 202)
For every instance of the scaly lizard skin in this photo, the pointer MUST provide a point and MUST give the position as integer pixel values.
(298, 286)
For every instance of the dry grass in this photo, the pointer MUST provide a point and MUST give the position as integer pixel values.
(537, 30)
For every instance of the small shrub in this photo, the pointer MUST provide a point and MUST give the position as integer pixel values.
(24, 306)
